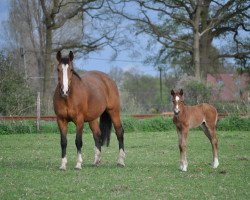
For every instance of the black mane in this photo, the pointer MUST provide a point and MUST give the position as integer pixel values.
(76, 74)
(65, 61)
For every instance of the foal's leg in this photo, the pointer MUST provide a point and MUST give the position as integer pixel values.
(62, 124)
(115, 117)
(182, 137)
(210, 133)
(97, 137)
(78, 142)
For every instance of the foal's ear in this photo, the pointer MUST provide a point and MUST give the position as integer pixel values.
(172, 92)
(71, 56)
(59, 56)
(181, 92)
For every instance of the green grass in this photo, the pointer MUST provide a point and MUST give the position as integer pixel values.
(29, 168)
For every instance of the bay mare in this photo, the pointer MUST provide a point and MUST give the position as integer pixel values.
(186, 117)
(86, 99)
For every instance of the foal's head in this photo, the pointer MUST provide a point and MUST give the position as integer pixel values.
(65, 72)
(178, 101)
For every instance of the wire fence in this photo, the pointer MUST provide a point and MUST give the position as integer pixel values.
(130, 105)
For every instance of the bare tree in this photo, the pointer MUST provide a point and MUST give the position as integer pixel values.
(190, 26)
(43, 27)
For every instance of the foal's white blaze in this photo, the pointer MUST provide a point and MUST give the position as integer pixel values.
(65, 78)
(177, 106)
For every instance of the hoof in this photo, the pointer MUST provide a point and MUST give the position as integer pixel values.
(78, 166)
(121, 158)
(63, 168)
(215, 165)
(183, 168)
(120, 164)
(96, 163)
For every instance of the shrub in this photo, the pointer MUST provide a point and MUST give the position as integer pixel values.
(16, 95)
(233, 123)
(156, 124)
(195, 91)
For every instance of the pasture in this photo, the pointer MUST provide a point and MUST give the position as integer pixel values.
(29, 168)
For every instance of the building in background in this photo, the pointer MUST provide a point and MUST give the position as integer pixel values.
(230, 87)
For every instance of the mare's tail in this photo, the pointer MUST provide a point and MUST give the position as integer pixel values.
(105, 127)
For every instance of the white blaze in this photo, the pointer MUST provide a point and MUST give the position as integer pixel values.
(177, 106)
(65, 78)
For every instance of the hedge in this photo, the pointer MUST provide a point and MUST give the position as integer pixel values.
(156, 124)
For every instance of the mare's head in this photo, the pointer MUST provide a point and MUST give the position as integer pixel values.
(178, 101)
(65, 72)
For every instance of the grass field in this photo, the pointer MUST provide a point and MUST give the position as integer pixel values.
(29, 168)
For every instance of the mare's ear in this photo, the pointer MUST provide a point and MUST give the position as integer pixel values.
(181, 92)
(172, 92)
(71, 56)
(59, 56)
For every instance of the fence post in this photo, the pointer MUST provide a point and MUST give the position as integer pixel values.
(38, 111)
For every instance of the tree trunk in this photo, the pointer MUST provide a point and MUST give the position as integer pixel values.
(205, 40)
(196, 47)
(205, 51)
(48, 72)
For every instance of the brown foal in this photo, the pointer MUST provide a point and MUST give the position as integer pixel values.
(186, 117)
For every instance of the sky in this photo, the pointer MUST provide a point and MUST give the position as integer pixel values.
(100, 60)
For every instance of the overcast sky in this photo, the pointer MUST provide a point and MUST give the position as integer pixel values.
(96, 61)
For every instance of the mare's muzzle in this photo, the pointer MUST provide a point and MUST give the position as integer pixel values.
(64, 94)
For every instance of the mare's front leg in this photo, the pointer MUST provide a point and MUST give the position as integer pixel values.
(182, 137)
(63, 124)
(94, 126)
(78, 142)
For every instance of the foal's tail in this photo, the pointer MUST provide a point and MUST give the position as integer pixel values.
(105, 127)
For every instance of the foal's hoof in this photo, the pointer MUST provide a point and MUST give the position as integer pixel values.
(183, 168)
(120, 164)
(215, 165)
(63, 168)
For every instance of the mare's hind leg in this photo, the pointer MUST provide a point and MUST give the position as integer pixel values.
(94, 126)
(210, 133)
(78, 142)
(115, 117)
(62, 124)
(182, 138)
